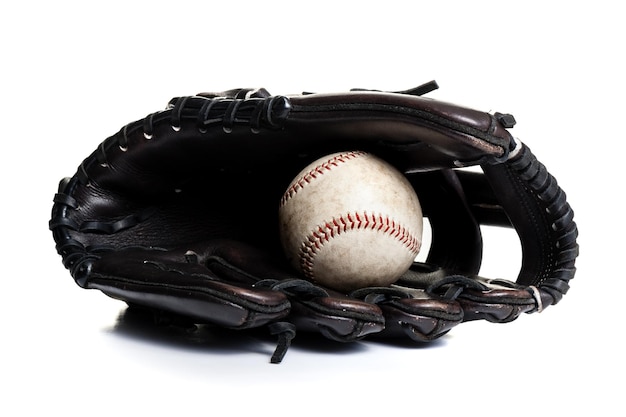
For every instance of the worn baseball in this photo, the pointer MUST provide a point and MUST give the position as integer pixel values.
(350, 220)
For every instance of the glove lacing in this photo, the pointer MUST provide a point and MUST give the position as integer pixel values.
(285, 330)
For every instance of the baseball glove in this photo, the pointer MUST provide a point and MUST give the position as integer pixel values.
(176, 214)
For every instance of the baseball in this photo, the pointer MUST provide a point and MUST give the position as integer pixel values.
(350, 220)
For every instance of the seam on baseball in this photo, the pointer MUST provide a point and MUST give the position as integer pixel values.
(326, 231)
(319, 170)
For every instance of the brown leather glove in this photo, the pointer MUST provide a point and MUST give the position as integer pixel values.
(177, 214)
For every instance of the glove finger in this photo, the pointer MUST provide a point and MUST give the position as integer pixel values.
(336, 317)
(421, 319)
(497, 301)
(148, 278)
(413, 313)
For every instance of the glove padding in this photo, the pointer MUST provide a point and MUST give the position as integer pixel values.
(177, 213)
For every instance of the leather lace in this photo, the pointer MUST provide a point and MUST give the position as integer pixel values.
(255, 112)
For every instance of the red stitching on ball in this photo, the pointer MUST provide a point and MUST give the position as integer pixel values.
(314, 243)
(317, 171)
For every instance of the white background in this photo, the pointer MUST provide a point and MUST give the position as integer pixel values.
(75, 72)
